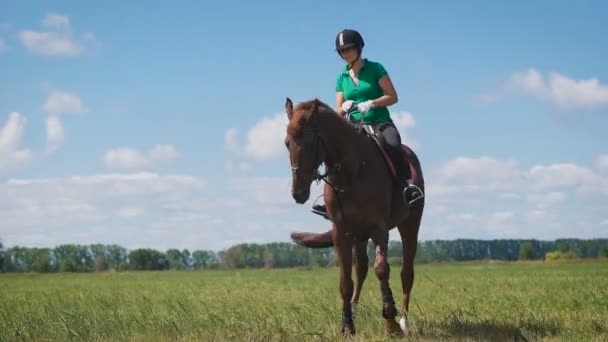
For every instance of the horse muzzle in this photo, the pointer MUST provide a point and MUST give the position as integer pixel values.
(301, 195)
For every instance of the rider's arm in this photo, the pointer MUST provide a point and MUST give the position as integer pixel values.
(390, 94)
(339, 102)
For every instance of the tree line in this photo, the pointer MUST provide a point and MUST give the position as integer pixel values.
(100, 257)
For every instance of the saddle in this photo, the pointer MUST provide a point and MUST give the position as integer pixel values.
(389, 162)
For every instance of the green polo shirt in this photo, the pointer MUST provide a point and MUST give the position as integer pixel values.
(367, 89)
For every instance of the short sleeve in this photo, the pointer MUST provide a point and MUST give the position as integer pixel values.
(380, 70)
(339, 83)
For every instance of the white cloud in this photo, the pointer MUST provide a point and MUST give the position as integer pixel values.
(547, 199)
(263, 190)
(162, 153)
(485, 197)
(12, 155)
(62, 102)
(465, 188)
(125, 158)
(462, 218)
(230, 139)
(55, 20)
(128, 158)
(57, 40)
(126, 208)
(501, 218)
(509, 196)
(54, 133)
(149, 210)
(265, 140)
(49, 43)
(130, 212)
(602, 162)
(463, 176)
(404, 121)
(566, 174)
(59, 102)
(561, 91)
(539, 216)
(244, 166)
(477, 169)
(529, 82)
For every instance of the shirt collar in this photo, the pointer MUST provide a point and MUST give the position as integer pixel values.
(345, 71)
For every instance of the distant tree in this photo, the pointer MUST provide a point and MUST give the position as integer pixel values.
(204, 259)
(176, 259)
(74, 258)
(269, 259)
(233, 257)
(148, 259)
(2, 257)
(526, 251)
(101, 263)
(117, 257)
(42, 261)
(68, 265)
(559, 255)
(604, 251)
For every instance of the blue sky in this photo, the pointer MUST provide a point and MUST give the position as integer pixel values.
(163, 126)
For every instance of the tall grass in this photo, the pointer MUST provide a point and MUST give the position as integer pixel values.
(473, 301)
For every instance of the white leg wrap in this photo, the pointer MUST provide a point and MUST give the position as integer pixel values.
(404, 324)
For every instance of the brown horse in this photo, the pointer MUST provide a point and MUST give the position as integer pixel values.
(362, 202)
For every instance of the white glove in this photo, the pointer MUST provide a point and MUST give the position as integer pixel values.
(346, 105)
(364, 107)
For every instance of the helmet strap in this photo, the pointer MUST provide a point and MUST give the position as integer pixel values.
(351, 65)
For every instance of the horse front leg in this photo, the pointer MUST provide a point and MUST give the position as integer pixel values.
(361, 269)
(344, 252)
(383, 270)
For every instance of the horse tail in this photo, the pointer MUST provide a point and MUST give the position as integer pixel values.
(313, 240)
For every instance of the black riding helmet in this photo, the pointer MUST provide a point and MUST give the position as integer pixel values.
(349, 38)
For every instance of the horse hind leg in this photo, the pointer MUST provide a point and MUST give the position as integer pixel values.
(382, 270)
(408, 229)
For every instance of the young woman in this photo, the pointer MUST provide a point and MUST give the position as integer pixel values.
(367, 85)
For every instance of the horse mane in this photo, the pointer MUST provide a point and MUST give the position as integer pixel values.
(303, 113)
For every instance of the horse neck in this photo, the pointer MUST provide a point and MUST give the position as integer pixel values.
(342, 141)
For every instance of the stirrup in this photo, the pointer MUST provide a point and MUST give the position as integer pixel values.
(407, 192)
(319, 209)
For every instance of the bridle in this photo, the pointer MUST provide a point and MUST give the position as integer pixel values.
(319, 143)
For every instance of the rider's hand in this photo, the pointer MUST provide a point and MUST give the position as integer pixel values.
(346, 105)
(364, 107)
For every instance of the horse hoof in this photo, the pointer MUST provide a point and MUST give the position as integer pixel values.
(393, 328)
(348, 329)
(404, 324)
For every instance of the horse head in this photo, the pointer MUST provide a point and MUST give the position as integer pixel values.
(305, 144)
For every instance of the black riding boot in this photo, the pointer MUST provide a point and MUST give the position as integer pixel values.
(411, 192)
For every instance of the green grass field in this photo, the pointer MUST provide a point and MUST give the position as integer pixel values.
(467, 301)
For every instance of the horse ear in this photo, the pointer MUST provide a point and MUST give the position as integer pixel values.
(289, 108)
(315, 106)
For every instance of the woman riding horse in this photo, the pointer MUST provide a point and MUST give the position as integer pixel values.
(367, 85)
